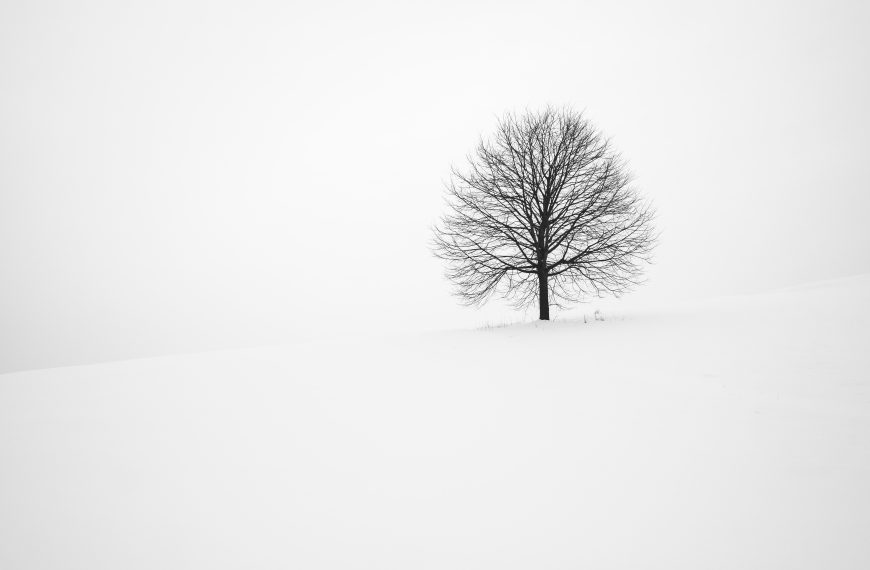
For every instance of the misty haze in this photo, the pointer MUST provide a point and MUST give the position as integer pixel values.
(434, 285)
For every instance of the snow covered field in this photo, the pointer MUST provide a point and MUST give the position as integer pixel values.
(732, 433)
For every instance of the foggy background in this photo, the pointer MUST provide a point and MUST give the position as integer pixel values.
(183, 176)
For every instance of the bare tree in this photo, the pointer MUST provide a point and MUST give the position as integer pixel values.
(545, 211)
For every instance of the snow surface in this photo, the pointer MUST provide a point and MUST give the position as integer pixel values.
(732, 433)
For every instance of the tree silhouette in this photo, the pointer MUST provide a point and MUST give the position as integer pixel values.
(545, 210)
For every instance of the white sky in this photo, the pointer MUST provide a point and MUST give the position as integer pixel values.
(186, 175)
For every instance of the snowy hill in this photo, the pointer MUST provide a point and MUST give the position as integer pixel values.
(732, 433)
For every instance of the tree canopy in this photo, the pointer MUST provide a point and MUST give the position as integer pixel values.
(545, 211)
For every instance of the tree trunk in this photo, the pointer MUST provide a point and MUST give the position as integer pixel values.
(543, 296)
